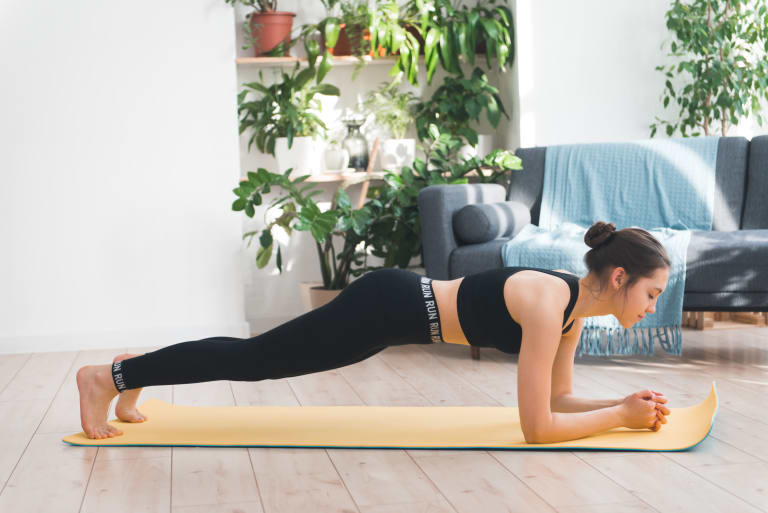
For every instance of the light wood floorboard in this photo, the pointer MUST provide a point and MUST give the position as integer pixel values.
(727, 472)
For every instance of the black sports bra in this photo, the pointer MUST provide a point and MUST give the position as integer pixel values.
(483, 313)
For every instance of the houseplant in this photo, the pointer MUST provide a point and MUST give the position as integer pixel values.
(722, 69)
(387, 225)
(300, 212)
(284, 118)
(395, 231)
(457, 103)
(393, 110)
(388, 34)
(451, 32)
(266, 28)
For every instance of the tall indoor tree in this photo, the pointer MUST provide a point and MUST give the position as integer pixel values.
(722, 70)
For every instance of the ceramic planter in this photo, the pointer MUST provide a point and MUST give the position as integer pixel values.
(396, 153)
(269, 29)
(304, 156)
(313, 295)
(483, 147)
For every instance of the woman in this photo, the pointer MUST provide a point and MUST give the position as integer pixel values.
(515, 309)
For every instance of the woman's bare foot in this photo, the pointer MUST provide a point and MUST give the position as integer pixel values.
(126, 403)
(94, 382)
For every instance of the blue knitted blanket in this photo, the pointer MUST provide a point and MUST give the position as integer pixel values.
(665, 186)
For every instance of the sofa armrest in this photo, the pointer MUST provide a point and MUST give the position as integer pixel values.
(437, 204)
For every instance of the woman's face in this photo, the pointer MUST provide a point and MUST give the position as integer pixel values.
(642, 297)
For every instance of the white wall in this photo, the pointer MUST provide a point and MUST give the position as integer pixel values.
(118, 153)
(585, 72)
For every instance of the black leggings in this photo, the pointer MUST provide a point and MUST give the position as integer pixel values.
(382, 308)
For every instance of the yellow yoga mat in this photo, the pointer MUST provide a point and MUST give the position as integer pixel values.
(383, 427)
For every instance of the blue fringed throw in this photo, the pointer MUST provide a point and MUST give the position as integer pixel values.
(664, 186)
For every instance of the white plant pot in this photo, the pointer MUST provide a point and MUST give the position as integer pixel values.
(484, 147)
(304, 156)
(396, 153)
(336, 159)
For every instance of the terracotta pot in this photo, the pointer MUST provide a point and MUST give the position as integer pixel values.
(313, 295)
(367, 44)
(343, 46)
(269, 29)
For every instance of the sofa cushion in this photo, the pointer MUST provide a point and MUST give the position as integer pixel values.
(734, 261)
(730, 178)
(482, 222)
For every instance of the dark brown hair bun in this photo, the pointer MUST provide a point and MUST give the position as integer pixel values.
(599, 234)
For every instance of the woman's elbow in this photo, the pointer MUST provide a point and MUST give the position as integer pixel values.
(532, 436)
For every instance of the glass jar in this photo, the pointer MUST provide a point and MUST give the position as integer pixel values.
(356, 144)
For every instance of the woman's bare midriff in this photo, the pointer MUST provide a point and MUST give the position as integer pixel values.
(446, 292)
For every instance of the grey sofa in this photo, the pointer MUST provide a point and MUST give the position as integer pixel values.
(465, 226)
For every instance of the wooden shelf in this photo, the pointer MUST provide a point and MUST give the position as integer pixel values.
(342, 60)
(339, 177)
(352, 176)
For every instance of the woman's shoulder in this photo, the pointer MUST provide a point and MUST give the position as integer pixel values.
(531, 293)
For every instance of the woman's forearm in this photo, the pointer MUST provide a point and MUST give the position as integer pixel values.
(572, 426)
(573, 404)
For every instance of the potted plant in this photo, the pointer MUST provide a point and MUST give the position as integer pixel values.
(723, 78)
(456, 104)
(266, 28)
(388, 36)
(451, 32)
(300, 212)
(283, 118)
(386, 226)
(393, 110)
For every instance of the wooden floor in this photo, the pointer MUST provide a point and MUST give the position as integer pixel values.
(727, 472)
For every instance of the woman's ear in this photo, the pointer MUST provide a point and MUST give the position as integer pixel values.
(618, 277)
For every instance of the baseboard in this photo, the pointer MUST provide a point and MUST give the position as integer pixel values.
(118, 338)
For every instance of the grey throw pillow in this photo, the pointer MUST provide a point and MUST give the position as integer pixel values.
(482, 222)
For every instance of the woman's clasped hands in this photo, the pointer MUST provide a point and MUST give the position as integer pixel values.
(644, 409)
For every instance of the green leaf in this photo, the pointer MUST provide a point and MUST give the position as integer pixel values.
(266, 238)
(491, 29)
(304, 77)
(262, 256)
(325, 65)
(332, 29)
(342, 199)
(313, 50)
(431, 67)
(326, 89)
(430, 43)
(492, 112)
